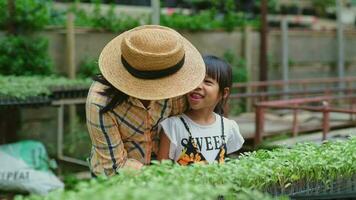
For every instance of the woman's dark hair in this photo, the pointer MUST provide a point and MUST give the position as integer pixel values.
(116, 97)
(220, 71)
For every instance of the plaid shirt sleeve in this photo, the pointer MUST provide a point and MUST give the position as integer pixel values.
(179, 105)
(108, 153)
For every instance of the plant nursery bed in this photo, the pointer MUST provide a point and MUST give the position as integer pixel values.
(340, 188)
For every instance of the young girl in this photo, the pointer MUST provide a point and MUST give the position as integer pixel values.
(202, 134)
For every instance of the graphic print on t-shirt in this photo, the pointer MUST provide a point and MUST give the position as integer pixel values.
(209, 146)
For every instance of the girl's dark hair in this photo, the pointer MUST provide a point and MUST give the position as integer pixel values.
(220, 71)
(116, 97)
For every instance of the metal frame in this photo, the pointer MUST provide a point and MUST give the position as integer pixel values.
(252, 92)
(60, 132)
(295, 105)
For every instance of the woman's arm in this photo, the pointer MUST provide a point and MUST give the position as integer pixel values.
(163, 152)
(108, 152)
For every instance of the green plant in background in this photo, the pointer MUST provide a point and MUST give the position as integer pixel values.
(77, 141)
(202, 21)
(321, 6)
(36, 14)
(97, 19)
(20, 55)
(239, 70)
(272, 5)
(210, 19)
(229, 17)
(239, 75)
(110, 21)
(58, 18)
(25, 55)
(30, 15)
(88, 68)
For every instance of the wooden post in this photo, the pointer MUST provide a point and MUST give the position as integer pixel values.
(9, 124)
(248, 58)
(155, 5)
(11, 28)
(353, 107)
(295, 123)
(227, 108)
(263, 73)
(10, 116)
(340, 46)
(326, 121)
(285, 54)
(70, 40)
(259, 124)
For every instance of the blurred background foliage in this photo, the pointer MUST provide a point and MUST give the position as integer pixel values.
(23, 55)
(27, 55)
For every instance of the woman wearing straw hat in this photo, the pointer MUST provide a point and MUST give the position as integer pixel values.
(144, 72)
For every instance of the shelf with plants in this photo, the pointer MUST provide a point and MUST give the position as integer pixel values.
(35, 16)
(26, 71)
(34, 90)
(249, 175)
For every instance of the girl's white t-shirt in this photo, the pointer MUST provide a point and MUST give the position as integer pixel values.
(207, 137)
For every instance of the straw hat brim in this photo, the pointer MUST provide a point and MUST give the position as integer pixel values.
(183, 81)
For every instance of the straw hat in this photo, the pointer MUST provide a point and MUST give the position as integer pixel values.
(152, 62)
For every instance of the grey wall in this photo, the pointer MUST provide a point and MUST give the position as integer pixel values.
(312, 53)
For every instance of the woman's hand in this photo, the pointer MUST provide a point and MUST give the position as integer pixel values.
(133, 164)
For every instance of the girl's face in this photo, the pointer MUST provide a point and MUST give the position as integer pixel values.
(206, 95)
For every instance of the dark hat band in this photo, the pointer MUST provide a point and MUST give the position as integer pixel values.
(153, 74)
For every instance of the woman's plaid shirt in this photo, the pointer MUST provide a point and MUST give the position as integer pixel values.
(128, 134)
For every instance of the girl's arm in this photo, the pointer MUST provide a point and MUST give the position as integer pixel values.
(235, 140)
(163, 152)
